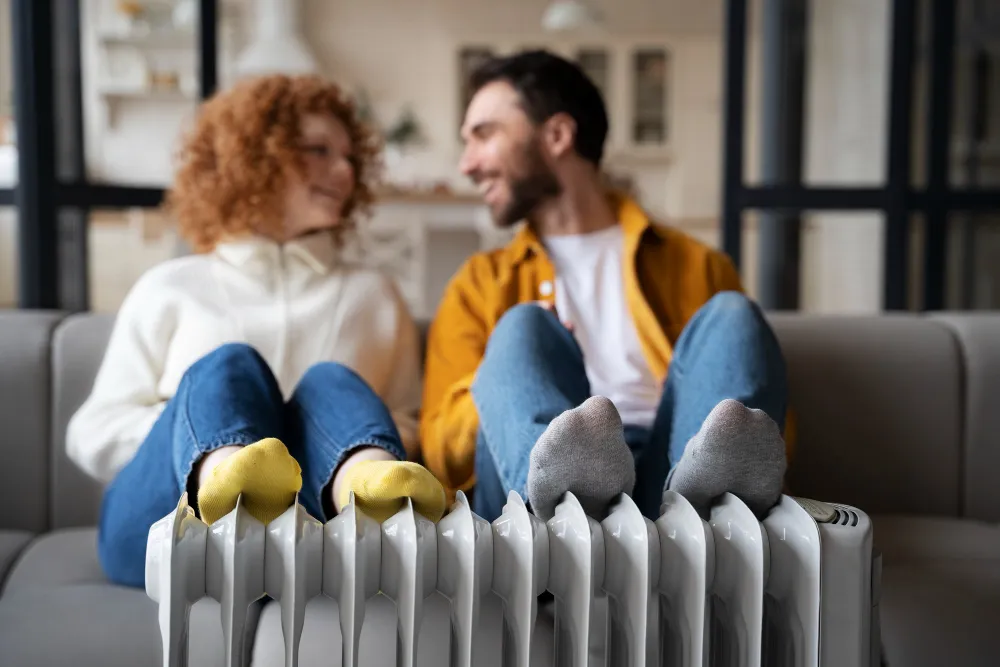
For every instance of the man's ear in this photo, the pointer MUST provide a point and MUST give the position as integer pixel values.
(559, 134)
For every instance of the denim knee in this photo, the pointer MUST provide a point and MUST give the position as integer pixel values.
(235, 354)
(231, 357)
(734, 307)
(330, 372)
(524, 318)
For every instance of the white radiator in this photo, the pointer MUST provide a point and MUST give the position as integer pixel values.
(795, 590)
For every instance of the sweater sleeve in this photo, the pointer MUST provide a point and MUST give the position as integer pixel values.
(449, 421)
(106, 431)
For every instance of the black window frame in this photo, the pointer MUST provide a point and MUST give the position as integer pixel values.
(898, 200)
(53, 195)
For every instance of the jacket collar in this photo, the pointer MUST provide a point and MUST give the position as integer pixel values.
(634, 221)
(317, 252)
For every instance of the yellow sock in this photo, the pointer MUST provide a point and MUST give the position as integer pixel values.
(381, 487)
(264, 472)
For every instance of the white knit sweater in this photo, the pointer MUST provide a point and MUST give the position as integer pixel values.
(295, 303)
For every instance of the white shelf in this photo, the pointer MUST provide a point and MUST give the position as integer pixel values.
(148, 94)
(112, 98)
(157, 39)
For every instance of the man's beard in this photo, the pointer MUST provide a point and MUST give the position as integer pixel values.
(533, 184)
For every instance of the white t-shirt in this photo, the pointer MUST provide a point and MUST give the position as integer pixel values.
(590, 293)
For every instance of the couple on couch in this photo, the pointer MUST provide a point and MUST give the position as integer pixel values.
(264, 365)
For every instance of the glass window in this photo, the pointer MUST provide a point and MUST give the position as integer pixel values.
(140, 86)
(649, 113)
(122, 245)
(842, 262)
(8, 257)
(469, 58)
(6, 81)
(595, 62)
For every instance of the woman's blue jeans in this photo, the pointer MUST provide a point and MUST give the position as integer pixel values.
(231, 397)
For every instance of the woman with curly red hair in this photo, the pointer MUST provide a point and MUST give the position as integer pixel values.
(263, 365)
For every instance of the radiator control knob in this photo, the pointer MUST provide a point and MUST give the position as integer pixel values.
(821, 512)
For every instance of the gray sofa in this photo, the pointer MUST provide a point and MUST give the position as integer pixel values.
(898, 415)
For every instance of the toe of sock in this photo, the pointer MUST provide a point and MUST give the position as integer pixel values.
(583, 451)
(381, 487)
(264, 473)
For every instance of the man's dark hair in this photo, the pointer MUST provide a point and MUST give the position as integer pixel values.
(547, 85)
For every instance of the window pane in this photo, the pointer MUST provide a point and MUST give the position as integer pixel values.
(842, 260)
(649, 117)
(973, 262)
(8, 164)
(595, 63)
(6, 82)
(845, 102)
(975, 146)
(140, 85)
(469, 58)
(8, 257)
(122, 245)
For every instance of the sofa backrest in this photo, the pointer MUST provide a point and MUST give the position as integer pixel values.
(879, 407)
(77, 351)
(978, 337)
(893, 413)
(24, 419)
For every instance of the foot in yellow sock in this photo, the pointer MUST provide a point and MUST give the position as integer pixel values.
(381, 487)
(264, 472)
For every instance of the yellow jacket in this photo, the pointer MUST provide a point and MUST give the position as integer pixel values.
(668, 277)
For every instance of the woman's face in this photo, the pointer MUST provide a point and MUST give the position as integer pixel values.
(317, 201)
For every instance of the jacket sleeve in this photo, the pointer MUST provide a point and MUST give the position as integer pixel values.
(106, 431)
(723, 275)
(456, 343)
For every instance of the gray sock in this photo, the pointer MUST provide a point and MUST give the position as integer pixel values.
(738, 450)
(582, 451)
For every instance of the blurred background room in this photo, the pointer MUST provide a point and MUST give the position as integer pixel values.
(819, 112)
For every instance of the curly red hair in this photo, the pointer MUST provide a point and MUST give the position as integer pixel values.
(235, 163)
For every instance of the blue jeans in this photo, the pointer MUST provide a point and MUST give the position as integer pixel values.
(533, 371)
(230, 397)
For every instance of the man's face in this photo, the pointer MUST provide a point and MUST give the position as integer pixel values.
(504, 155)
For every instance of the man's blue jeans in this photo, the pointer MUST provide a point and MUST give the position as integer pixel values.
(533, 371)
(230, 397)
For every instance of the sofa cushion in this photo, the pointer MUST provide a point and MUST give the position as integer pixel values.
(941, 614)
(58, 609)
(879, 417)
(321, 638)
(940, 602)
(12, 543)
(24, 414)
(98, 625)
(77, 351)
(57, 559)
(978, 336)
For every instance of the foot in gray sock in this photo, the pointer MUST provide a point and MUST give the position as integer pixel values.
(582, 451)
(738, 450)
